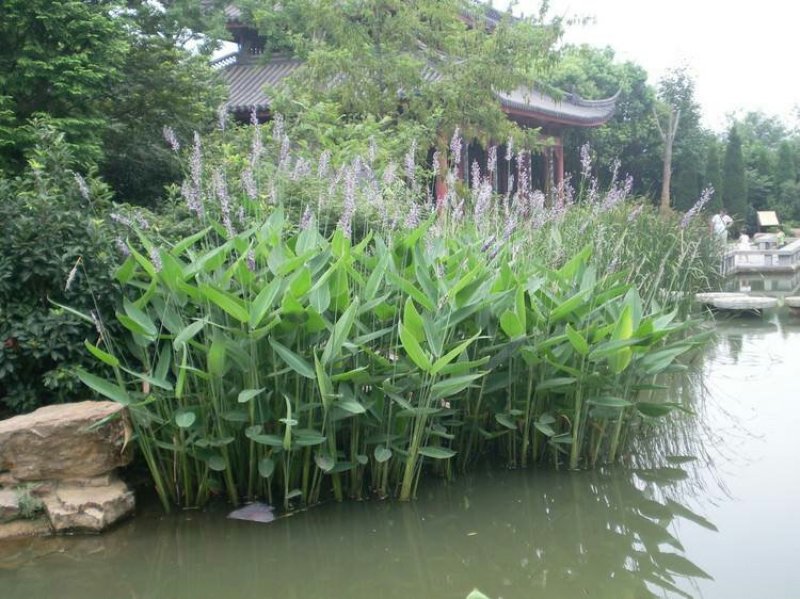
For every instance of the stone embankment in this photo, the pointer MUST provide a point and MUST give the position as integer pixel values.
(58, 469)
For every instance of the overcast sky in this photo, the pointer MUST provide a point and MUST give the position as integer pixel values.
(744, 55)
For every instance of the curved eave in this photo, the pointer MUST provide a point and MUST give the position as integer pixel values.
(572, 110)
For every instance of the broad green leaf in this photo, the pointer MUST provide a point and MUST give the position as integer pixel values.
(437, 453)
(414, 350)
(227, 302)
(324, 462)
(156, 382)
(555, 383)
(266, 466)
(450, 386)
(188, 333)
(410, 290)
(412, 320)
(185, 419)
(101, 355)
(247, 394)
(506, 420)
(654, 410)
(511, 325)
(566, 308)
(217, 463)
(186, 243)
(609, 402)
(216, 359)
(351, 406)
(452, 355)
(576, 339)
(382, 454)
(263, 302)
(341, 330)
(293, 360)
(140, 318)
(104, 388)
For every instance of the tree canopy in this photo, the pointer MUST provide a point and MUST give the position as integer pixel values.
(109, 74)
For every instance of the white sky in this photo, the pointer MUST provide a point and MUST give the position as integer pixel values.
(743, 55)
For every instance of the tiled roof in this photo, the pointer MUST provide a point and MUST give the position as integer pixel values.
(247, 81)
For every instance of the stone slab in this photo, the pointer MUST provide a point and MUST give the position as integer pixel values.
(25, 528)
(792, 301)
(67, 441)
(745, 303)
(9, 505)
(74, 507)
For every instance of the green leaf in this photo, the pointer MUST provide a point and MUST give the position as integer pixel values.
(566, 308)
(216, 357)
(437, 453)
(104, 357)
(451, 386)
(341, 330)
(266, 466)
(576, 339)
(188, 333)
(293, 360)
(609, 402)
(511, 325)
(655, 410)
(140, 318)
(382, 454)
(229, 303)
(185, 419)
(263, 302)
(414, 350)
(452, 355)
(351, 405)
(506, 420)
(104, 388)
(413, 320)
(217, 463)
(555, 383)
(324, 462)
(246, 395)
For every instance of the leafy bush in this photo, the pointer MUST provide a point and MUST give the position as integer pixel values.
(55, 246)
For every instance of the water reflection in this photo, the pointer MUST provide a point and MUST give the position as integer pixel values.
(643, 531)
(514, 534)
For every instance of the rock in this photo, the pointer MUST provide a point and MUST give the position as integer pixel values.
(712, 296)
(65, 441)
(9, 505)
(88, 509)
(745, 303)
(793, 301)
(25, 528)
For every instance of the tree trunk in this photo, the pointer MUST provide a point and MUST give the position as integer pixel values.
(668, 137)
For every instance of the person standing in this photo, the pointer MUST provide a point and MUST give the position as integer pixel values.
(720, 223)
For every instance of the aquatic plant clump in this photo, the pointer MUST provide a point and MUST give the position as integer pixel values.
(266, 359)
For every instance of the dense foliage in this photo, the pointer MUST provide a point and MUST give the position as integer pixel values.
(109, 75)
(263, 358)
(55, 247)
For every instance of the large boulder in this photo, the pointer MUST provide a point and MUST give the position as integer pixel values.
(63, 442)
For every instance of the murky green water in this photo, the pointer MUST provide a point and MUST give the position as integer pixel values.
(724, 525)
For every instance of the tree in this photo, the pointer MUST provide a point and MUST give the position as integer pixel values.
(109, 74)
(423, 65)
(676, 90)
(631, 135)
(713, 177)
(734, 183)
(667, 132)
(61, 58)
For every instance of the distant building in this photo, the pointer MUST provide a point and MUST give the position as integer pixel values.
(247, 74)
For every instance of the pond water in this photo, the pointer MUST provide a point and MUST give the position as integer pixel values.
(714, 516)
